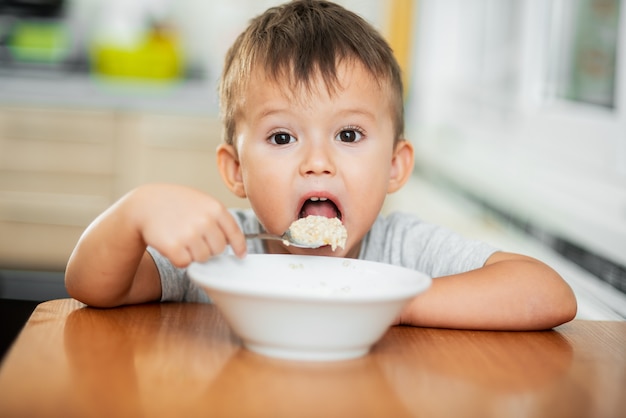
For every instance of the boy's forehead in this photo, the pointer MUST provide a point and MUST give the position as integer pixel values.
(291, 87)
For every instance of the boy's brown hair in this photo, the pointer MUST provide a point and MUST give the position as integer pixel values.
(299, 40)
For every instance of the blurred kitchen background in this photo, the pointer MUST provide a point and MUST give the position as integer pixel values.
(516, 109)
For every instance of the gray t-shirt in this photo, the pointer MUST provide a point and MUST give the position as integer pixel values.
(400, 239)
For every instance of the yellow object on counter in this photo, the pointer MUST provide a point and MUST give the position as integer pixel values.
(157, 57)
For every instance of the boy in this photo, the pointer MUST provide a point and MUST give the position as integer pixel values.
(311, 100)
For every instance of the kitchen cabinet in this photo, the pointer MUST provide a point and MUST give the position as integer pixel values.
(60, 168)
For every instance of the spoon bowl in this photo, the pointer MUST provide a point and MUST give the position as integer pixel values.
(313, 231)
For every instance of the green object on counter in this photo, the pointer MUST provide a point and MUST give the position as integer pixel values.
(45, 42)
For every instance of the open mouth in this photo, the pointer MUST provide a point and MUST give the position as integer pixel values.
(320, 206)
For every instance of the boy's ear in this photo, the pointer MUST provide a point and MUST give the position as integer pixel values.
(228, 165)
(401, 166)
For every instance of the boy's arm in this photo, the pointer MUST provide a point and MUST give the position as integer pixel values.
(510, 292)
(110, 265)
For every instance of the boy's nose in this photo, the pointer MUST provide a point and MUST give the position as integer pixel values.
(317, 159)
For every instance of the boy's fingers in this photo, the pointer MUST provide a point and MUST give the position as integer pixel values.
(181, 258)
(214, 244)
(233, 234)
(200, 251)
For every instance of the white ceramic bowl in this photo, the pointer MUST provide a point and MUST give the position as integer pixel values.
(307, 307)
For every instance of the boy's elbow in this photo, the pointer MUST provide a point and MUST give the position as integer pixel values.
(567, 306)
(563, 313)
(89, 298)
(556, 304)
(569, 309)
(74, 288)
(77, 289)
(558, 309)
(71, 286)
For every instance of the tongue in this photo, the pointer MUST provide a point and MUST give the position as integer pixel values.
(320, 208)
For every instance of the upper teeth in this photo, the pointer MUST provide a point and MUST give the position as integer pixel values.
(315, 199)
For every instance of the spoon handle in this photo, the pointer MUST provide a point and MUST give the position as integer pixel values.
(264, 235)
(285, 238)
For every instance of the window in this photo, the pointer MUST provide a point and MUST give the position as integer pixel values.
(583, 49)
(521, 103)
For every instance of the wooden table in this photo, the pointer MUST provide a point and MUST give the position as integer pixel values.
(182, 360)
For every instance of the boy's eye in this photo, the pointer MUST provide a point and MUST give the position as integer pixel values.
(349, 135)
(281, 138)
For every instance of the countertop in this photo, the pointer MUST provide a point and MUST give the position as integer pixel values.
(81, 90)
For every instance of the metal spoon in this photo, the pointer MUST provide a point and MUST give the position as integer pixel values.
(285, 238)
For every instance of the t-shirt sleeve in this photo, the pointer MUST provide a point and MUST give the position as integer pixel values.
(176, 286)
(406, 240)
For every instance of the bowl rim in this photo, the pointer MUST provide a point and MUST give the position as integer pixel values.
(414, 283)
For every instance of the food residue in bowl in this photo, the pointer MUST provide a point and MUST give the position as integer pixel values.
(319, 230)
(322, 288)
(296, 266)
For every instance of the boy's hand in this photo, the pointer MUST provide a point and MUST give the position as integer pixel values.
(184, 224)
